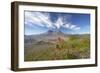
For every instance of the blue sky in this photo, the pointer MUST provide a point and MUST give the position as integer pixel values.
(68, 23)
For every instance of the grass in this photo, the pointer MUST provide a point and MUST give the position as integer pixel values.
(72, 48)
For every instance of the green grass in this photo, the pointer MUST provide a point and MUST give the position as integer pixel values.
(72, 48)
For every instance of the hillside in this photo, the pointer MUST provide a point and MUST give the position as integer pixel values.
(56, 45)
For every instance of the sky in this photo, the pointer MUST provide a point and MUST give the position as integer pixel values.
(38, 22)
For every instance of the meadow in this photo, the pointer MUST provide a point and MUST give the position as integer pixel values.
(71, 47)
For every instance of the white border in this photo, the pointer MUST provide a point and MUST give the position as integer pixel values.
(23, 64)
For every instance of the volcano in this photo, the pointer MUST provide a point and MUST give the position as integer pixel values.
(50, 34)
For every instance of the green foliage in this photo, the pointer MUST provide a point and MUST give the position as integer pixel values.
(73, 47)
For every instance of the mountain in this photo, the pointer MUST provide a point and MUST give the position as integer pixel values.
(48, 38)
(50, 34)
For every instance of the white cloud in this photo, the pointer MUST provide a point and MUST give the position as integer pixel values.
(31, 18)
(40, 19)
(77, 28)
(58, 23)
(67, 25)
(43, 20)
(71, 26)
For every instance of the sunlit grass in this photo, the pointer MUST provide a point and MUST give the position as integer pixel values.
(72, 48)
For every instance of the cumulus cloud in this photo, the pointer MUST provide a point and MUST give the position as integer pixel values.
(43, 20)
